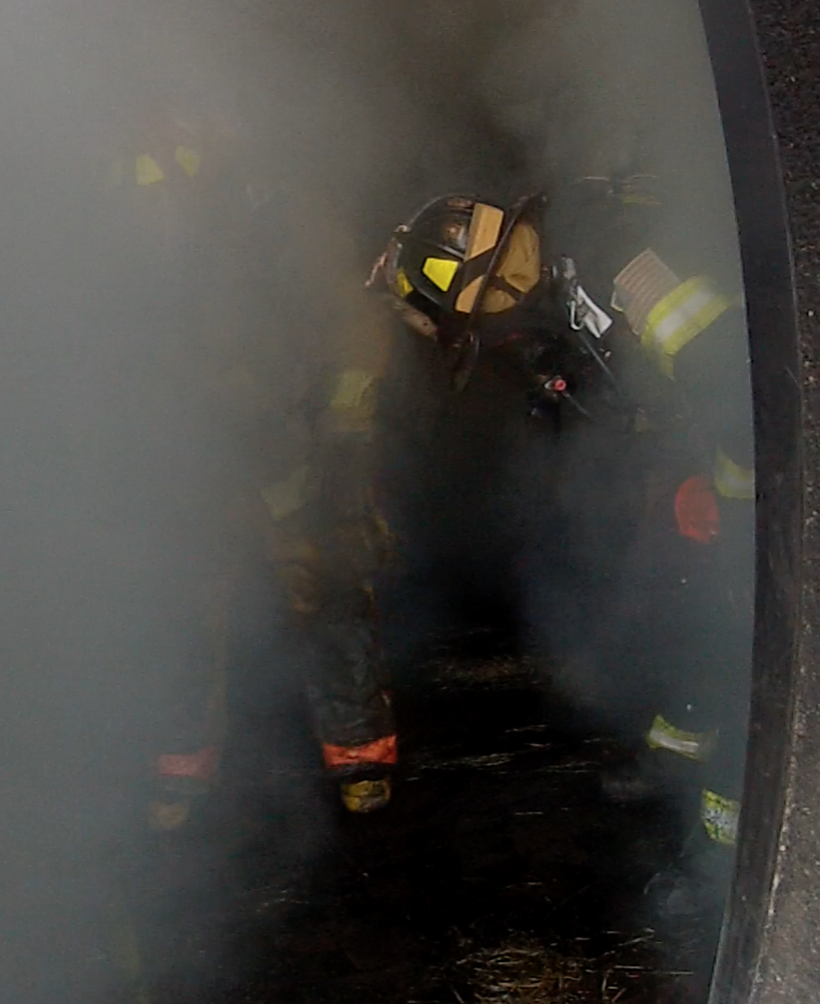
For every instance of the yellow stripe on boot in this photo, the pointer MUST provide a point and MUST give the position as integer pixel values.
(692, 745)
(720, 817)
(365, 796)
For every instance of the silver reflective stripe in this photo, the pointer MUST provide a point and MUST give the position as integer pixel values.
(692, 745)
(675, 744)
(666, 329)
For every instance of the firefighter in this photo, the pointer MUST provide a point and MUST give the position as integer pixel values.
(667, 591)
(328, 540)
(699, 620)
(689, 585)
(172, 302)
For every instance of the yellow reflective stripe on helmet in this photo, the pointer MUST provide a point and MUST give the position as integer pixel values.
(440, 271)
(485, 228)
(403, 284)
(679, 317)
(147, 171)
(189, 160)
(731, 480)
(720, 817)
(283, 498)
(692, 745)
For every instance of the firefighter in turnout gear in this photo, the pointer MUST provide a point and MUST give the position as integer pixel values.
(329, 543)
(690, 623)
(702, 612)
(168, 191)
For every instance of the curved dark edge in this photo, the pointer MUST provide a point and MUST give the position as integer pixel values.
(770, 947)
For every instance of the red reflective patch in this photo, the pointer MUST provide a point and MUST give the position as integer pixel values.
(379, 751)
(200, 765)
(697, 511)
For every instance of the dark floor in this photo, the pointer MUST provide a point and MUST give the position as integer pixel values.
(496, 875)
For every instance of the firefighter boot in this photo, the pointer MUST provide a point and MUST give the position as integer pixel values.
(169, 813)
(697, 883)
(363, 770)
(365, 794)
(694, 886)
(182, 780)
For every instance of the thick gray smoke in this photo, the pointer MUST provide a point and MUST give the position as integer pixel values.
(347, 116)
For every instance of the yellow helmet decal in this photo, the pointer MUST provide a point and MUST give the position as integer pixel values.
(440, 271)
(147, 171)
(403, 284)
(189, 160)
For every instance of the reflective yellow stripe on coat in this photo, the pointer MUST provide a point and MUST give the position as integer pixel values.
(353, 403)
(679, 317)
(731, 480)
